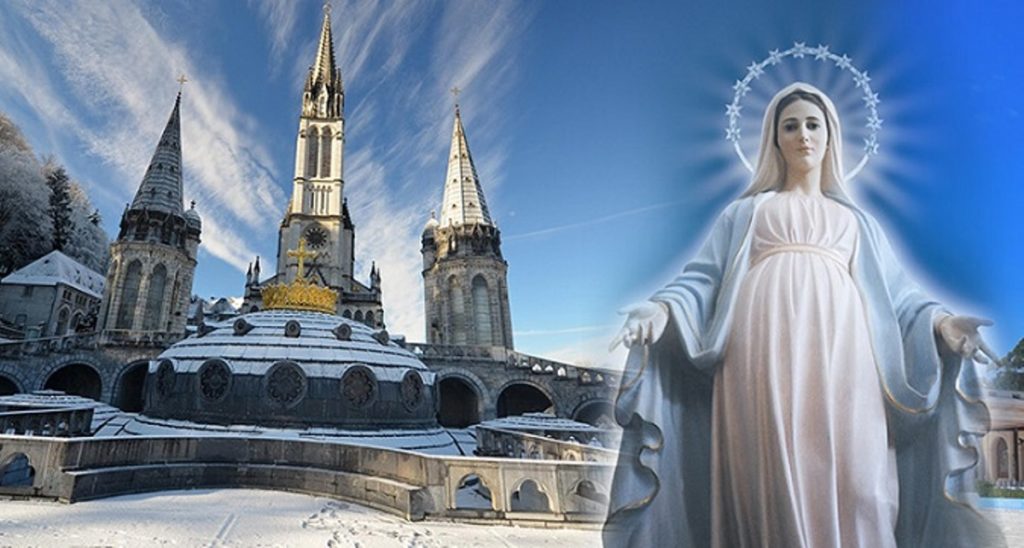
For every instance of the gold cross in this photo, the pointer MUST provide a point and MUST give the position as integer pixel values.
(301, 254)
(327, 7)
(456, 91)
(181, 82)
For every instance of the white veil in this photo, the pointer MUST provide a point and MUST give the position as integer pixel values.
(771, 168)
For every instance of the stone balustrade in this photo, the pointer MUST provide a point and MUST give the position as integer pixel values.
(48, 345)
(411, 485)
(500, 442)
(62, 422)
(513, 359)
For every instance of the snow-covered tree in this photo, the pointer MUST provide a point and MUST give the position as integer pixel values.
(88, 242)
(25, 226)
(60, 205)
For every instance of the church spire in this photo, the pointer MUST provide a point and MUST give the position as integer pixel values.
(463, 197)
(160, 189)
(324, 91)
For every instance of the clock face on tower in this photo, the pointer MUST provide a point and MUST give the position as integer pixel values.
(316, 237)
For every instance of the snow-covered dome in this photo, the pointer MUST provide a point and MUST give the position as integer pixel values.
(192, 217)
(428, 229)
(292, 368)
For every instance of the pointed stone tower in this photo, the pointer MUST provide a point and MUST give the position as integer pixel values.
(465, 278)
(153, 260)
(318, 211)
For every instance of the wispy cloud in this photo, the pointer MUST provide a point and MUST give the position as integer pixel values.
(591, 222)
(562, 331)
(279, 17)
(113, 93)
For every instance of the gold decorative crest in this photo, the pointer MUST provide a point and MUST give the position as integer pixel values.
(300, 294)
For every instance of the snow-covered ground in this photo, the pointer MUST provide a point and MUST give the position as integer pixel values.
(244, 517)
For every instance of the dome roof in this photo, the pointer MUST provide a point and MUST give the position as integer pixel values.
(428, 229)
(293, 368)
(192, 217)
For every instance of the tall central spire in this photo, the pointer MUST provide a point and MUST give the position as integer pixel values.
(463, 198)
(324, 68)
(160, 189)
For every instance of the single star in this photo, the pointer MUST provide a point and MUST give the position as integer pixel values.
(799, 49)
(732, 110)
(862, 79)
(755, 70)
(732, 134)
(843, 62)
(774, 57)
(741, 87)
(820, 52)
(871, 100)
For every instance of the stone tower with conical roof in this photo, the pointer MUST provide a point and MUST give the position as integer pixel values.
(318, 211)
(465, 277)
(153, 260)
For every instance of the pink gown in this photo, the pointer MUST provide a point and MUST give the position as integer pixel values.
(800, 454)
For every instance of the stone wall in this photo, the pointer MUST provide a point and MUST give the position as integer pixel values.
(408, 484)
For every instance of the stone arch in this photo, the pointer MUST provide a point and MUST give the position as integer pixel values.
(529, 496)
(17, 471)
(461, 401)
(76, 319)
(359, 316)
(521, 396)
(471, 492)
(130, 387)
(76, 378)
(129, 295)
(155, 298)
(1002, 458)
(347, 314)
(369, 318)
(482, 311)
(595, 412)
(8, 386)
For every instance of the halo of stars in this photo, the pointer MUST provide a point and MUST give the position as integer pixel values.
(820, 53)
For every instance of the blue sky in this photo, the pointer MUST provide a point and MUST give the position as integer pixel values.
(598, 130)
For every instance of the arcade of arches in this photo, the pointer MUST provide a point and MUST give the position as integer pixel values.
(460, 403)
(77, 379)
(520, 398)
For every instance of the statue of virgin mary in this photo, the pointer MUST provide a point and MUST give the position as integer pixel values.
(792, 386)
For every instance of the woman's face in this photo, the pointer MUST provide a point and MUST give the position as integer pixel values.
(802, 136)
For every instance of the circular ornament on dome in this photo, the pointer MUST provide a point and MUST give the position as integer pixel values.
(286, 384)
(343, 332)
(382, 337)
(165, 378)
(292, 329)
(359, 386)
(242, 327)
(214, 380)
(412, 390)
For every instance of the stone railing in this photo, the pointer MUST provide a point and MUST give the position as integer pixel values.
(63, 422)
(127, 337)
(411, 485)
(498, 442)
(514, 360)
(48, 345)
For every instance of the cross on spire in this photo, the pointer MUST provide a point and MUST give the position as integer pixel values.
(181, 82)
(301, 254)
(455, 92)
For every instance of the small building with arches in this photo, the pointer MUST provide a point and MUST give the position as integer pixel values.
(52, 296)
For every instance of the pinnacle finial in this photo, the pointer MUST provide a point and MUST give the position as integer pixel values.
(455, 93)
(327, 7)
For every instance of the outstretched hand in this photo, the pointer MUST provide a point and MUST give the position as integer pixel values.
(960, 333)
(645, 322)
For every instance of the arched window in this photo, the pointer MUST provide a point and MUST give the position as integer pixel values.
(325, 153)
(62, 322)
(359, 316)
(155, 299)
(312, 142)
(1002, 459)
(369, 319)
(482, 311)
(130, 296)
(347, 314)
(456, 313)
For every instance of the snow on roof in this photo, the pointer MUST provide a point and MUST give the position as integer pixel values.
(57, 268)
(538, 421)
